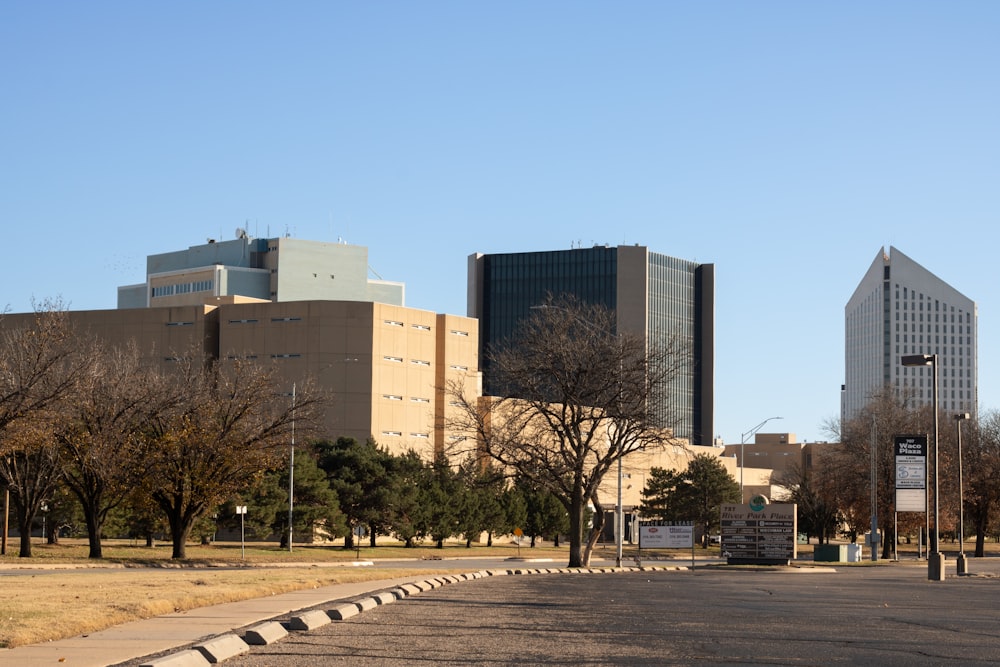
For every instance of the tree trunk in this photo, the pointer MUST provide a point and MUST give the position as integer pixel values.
(595, 532)
(179, 536)
(980, 537)
(181, 523)
(576, 514)
(93, 533)
(24, 521)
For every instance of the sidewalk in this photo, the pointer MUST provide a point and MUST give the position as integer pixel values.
(162, 633)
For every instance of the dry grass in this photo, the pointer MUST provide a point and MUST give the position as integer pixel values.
(33, 607)
(134, 582)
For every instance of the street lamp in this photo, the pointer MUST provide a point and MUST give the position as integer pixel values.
(961, 563)
(743, 442)
(935, 561)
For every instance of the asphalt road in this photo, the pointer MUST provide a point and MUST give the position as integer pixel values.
(851, 615)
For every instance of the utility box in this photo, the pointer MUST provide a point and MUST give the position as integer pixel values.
(830, 553)
(838, 553)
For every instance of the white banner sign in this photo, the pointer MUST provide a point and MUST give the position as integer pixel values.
(666, 535)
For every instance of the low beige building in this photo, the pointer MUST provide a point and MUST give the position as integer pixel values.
(772, 462)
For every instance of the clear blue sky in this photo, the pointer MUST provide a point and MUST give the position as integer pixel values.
(785, 142)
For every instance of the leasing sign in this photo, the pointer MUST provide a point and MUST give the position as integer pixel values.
(666, 534)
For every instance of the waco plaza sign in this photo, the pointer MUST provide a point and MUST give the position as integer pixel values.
(759, 533)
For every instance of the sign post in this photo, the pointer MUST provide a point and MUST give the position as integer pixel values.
(911, 475)
(242, 510)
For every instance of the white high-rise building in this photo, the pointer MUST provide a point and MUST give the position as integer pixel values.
(900, 308)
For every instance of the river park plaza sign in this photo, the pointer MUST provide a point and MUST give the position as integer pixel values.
(759, 533)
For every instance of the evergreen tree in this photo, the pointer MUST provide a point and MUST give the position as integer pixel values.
(481, 509)
(359, 474)
(407, 509)
(696, 494)
(443, 496)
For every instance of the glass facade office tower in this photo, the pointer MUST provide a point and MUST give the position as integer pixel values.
(901, 308)
(650, 294)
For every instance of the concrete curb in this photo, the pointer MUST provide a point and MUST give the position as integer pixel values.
(223, 648)
(309, 620)
(273, 631)
(265, 633)
(189, 658)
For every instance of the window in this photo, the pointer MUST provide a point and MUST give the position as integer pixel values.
(286, 319)
(421, 327)
(179, 324)
(457, 367)
(420, 362)
(457, 332)
(395, 360)
(394, 323)
(246, 321)
(417, 399)
(392, 397)
(286, 356)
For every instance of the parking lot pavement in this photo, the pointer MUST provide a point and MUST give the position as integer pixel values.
(887, 615)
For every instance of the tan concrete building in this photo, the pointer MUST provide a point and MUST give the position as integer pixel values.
(385, 367)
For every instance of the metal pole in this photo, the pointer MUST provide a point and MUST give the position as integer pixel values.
(935, 561)
(291, 474)
(874, 490)
(619, 519)
(961, 563)
(742, 465)
(743, 440)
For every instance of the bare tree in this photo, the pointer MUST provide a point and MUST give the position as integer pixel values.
(981, 458)
(232, 424)
(577, 395)
(887, 415)
(101, 439)
(31, 470)
(39, 367)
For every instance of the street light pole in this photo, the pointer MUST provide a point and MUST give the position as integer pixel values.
(291, 474)
(935, 560)
(743, 442)
(620, 518)
(961, 563)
